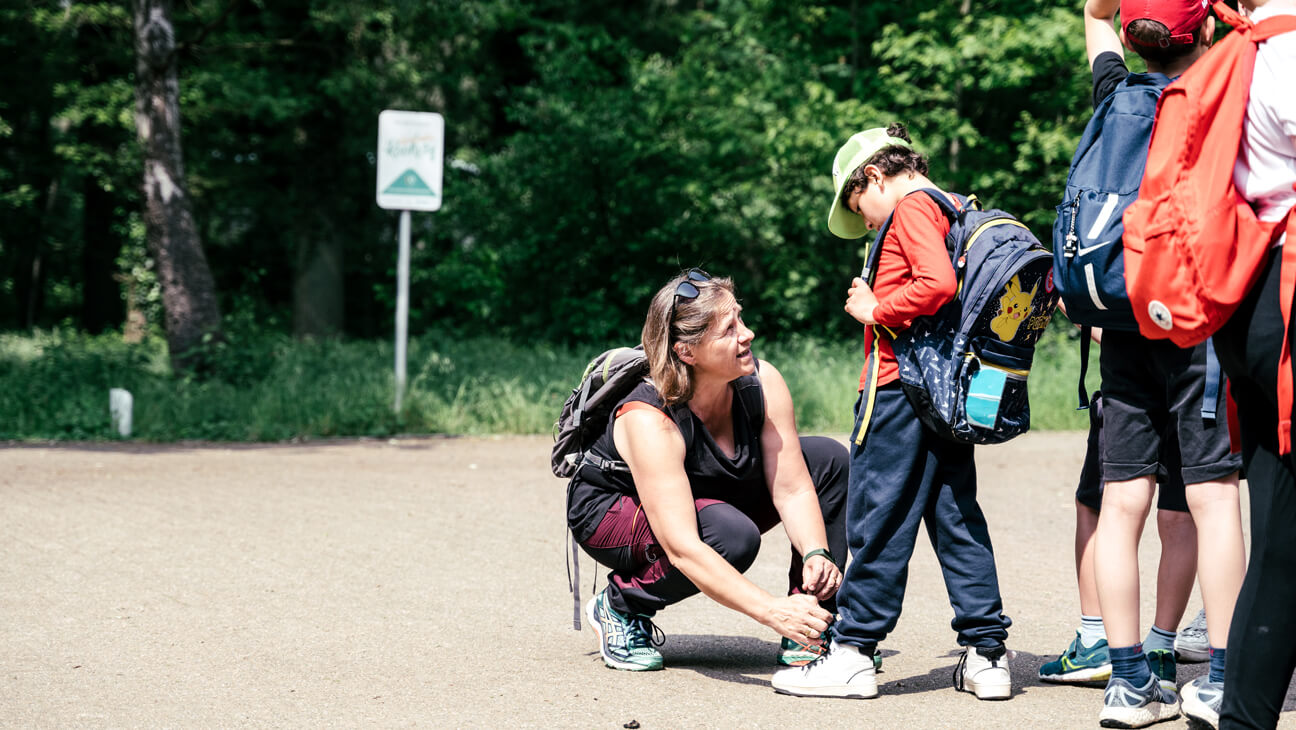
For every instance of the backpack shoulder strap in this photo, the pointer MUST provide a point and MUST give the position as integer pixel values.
(753, 399)
(874, 252)
(947, 206)
(1272, 26)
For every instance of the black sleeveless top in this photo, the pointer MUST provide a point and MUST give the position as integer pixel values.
(711, 472)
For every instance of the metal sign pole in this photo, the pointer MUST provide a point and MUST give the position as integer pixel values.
(402, 305)
(410, 154)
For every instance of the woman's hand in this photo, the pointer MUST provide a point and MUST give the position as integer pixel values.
(860, 301)
(798, 617)
(820, 578)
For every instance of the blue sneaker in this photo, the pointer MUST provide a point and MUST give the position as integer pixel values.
(1201, 702)
(626, 642)
(1079, 664)
(1125, 705)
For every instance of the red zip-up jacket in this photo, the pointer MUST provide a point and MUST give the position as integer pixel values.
(914, 276)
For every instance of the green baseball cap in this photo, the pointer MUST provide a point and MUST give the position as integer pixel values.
(857, 150)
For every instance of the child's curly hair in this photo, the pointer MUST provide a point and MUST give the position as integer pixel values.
(891, 160)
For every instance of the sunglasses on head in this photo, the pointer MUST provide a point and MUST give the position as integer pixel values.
(686, 288)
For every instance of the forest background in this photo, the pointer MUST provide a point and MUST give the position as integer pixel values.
(593, 150)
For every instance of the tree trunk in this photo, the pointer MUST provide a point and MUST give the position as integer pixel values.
(318, 289)
(188, 291)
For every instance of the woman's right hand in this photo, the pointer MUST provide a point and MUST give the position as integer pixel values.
(798, 617)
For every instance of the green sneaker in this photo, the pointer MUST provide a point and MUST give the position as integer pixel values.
(626, 642)
(1080, 664)
(1162, 664)
(792, 654)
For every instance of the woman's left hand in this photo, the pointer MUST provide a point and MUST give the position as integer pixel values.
(820, 578)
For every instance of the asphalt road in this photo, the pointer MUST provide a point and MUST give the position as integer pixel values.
(422, 583)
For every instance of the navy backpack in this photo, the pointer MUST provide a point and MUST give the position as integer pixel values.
(964, 368)
(1105, 175)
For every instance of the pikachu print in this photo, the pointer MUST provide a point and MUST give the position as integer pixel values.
(1014, 308)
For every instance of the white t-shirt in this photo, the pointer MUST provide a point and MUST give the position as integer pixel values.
(1266, 166)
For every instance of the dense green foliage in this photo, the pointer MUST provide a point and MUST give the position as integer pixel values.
(593, 150)
(54, 385)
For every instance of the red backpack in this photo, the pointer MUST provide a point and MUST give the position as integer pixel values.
(1193, 244)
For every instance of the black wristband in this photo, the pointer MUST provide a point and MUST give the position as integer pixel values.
(821, 551)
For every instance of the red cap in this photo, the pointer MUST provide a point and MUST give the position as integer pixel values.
(1182, 17)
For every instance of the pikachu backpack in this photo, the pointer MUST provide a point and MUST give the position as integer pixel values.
(964, 368)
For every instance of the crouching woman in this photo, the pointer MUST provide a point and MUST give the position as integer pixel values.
(714, 461)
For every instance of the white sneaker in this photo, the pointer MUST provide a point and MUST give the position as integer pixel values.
(842, 671)
(988, 679)
(1192, 644)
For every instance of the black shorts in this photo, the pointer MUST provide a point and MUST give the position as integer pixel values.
(1151, 390)
(1170, 492)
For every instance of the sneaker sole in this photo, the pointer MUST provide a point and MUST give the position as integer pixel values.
(989, 691)
(852, 692)
(1131, 717)
(1199, 714)
(611, 661)
(1191, 656)
(1080, 676)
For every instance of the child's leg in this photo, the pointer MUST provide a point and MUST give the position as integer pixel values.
(1086, 580)
(1135, 416)
(961, 540)
(1177, 568)
(1210, 471)
(1221, 558)
(1178, 565)
(1088, 500)
(1120, 525)
(883, 508)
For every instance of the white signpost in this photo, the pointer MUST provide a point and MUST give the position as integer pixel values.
(411, 150)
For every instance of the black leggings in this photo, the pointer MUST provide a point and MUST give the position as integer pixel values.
(643, 580)
(1262, 637)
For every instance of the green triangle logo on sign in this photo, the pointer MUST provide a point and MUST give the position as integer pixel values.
(409, 183)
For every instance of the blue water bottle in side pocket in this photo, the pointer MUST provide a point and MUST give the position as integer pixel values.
(985, 390)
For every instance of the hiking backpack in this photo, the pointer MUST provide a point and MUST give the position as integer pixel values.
(1193, 245)
(607, 379)
(1088, 260)
(964, 368)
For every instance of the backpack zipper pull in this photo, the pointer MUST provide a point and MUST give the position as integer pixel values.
(1069, 248)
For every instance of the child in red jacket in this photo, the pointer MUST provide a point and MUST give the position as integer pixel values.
(902, 474)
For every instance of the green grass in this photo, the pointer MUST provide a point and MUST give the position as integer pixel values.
(270, 387)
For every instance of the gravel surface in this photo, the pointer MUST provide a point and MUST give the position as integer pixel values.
(422, 582)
